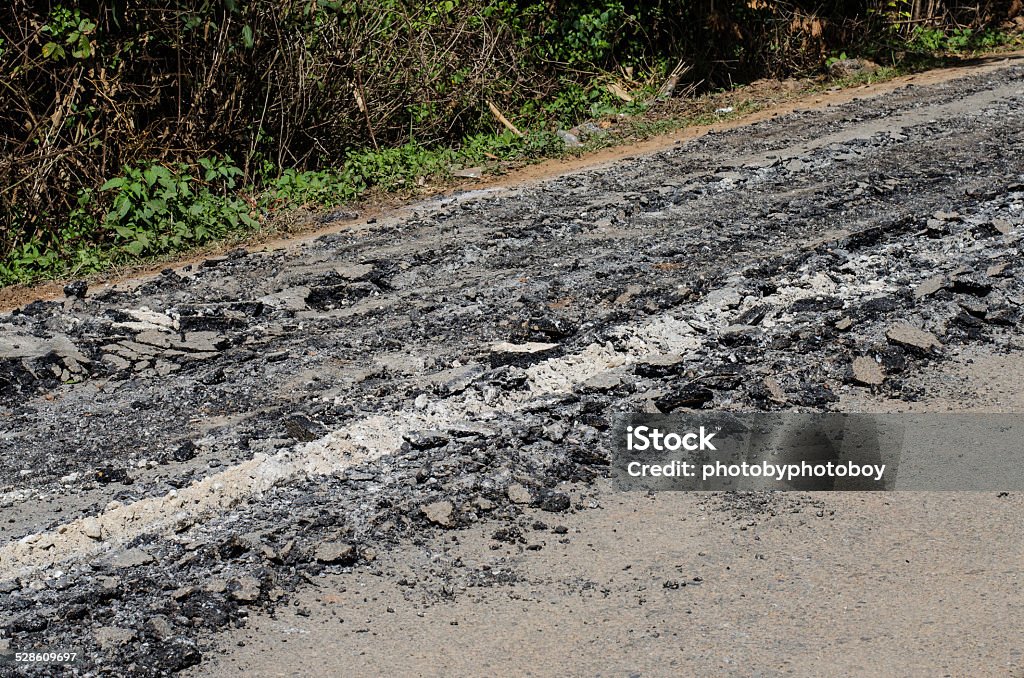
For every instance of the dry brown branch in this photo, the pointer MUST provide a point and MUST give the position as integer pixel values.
(503, 120)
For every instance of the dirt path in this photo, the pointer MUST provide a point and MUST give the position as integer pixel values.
(387, 411)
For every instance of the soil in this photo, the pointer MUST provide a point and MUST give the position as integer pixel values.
(384, 449)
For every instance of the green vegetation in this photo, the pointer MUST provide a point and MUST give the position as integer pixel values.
(137, 130)
(930, 40)
(158, 209)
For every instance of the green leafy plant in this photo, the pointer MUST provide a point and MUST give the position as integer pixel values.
(311, 187)
(157, 208)
(68, 251)
(68, 28)
(932, 40)
(836, 58)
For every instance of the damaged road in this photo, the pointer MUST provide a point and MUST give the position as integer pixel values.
(190, 450)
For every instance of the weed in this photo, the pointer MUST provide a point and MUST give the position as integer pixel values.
(930, 40)
(157, 208)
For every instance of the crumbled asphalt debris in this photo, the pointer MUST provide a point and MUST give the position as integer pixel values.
(185, 452)
(302, 428)
(686, 396)
(724, 275)
(76, 289)
(113, 475)
(553, 502)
